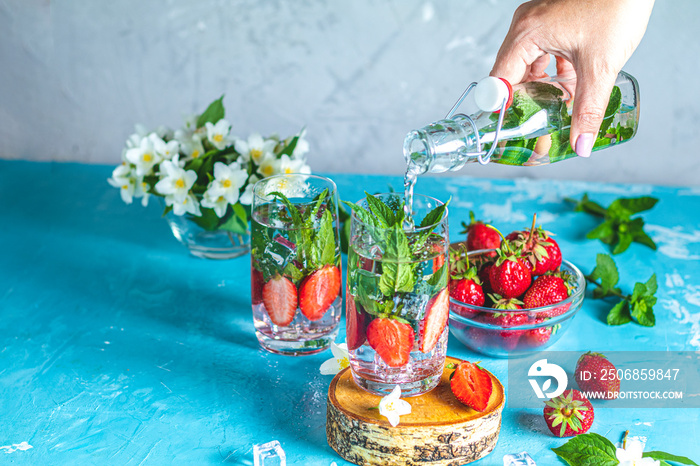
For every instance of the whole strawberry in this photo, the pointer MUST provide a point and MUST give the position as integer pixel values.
(509, 277)
(539, 336)
(480, 235)
(465, 285)
(540, 251)
(569, 414)
(594, 372)
(546, 290)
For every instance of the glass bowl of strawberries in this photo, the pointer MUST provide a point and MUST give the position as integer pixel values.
(516, 299)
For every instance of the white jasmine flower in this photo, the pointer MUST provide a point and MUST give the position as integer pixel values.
(141, 189)
(164, 132)
(122, 179)
(175, 181)
(288, 165)
(339, 361)
(187, 205)
(247, 194)
(135, 139)
(191, 121)
(164, 150)
(392, 406)
(631, 454)
(192, 146)
(144, 156)
(218, 203)
(255, 149)
(228, 181)
(268, 166)
(302, 147)
(219, 134)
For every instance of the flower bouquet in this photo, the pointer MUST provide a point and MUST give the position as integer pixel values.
(204, 177)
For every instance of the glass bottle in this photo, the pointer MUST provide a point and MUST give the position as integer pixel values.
(526, 125)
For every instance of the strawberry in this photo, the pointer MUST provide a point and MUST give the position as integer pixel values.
(280, 298)
(509, 339)
(539, 336)
(480, 235)
(432, 326)
(506, 339)
(355, 323)
(547, 290)
(392, 340)
(594, 372)
(318, 291)
(471, 385)
(540, 251)
(568, 414)
(509, 276)
(256, 286)
(465, 285)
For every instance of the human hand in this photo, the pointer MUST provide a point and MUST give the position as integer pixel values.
(591, 41)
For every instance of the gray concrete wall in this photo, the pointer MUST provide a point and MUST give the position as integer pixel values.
(75, 75)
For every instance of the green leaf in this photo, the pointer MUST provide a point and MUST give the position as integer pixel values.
(213, 113)
(605, 271)
(638, 204)
(652, 285)
(381, 211)
(235, 220)
(588, 450)
(611, 110)
(294, 213)
(397, 270)
(325, 240)
(434, 216)
(289, 149)
(642, 302)
(623, 242)
(642, 238)
(663, 456)
(619, 314)
(604, 232)
(362, 214)
(588, 206)
(439, 279)
(208, 221)
(291, 270)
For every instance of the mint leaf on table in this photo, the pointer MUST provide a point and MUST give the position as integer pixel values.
(664, 457)
(213, 113)
(638, 307)
(605, 271)
(619, 229)
(588, 450)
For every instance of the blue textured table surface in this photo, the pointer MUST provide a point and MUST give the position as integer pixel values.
(117, 347)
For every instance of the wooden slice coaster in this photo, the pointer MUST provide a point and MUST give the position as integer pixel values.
(440, 431)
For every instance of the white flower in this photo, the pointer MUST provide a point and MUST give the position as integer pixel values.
(247, 194)
(631, 454)
(143, 156)
(392, 406)
(255, 149)
(228, 181)
(122, 179)
(135, 139)
(192, 145)
(164, 150)
(287, 165)
(164, 132)
(187, 205)
(219, 134)
(268, 166)
(218, 203)
(302, 147)
(141, 189)
(175, 181)
(339, 361)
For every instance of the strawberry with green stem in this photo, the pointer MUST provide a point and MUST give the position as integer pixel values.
(595, 373)
(509, 276)
(548, 289)
(539, 249)
(465, 285)
(568, 414)
(480, 235)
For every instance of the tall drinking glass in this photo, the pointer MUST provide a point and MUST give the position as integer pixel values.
(295, 263)
(397, 302)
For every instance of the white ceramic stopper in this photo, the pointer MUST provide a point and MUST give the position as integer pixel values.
(490, 93)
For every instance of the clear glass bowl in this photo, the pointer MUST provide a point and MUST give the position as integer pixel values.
(544, 326)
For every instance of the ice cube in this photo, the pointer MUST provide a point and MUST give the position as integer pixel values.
(518, 459)
(281, 250)
(413, 305)
(269, 454)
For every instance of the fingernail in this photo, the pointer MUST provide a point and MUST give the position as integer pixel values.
(584, 144)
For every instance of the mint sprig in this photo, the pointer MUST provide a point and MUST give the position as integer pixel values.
(619, 228)
(639, 306)
(593, 449)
